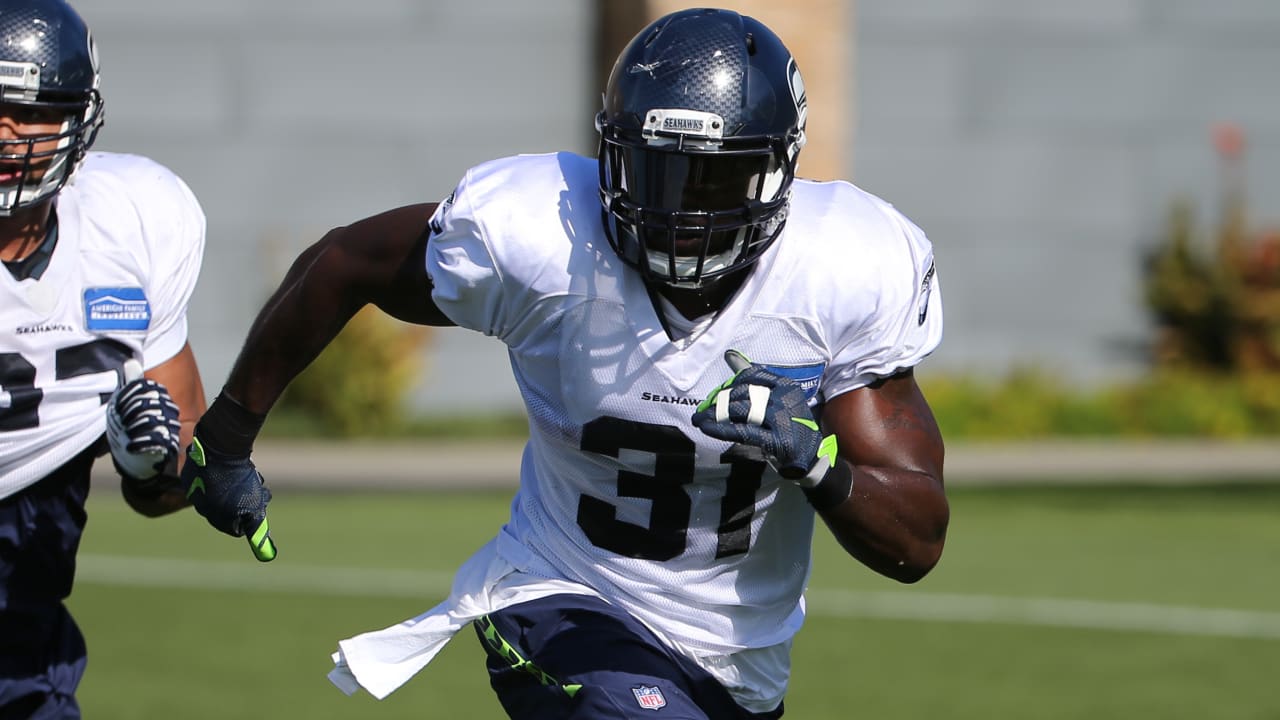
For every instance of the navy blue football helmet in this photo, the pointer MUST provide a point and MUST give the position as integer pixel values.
(48, 66)
(702, 125)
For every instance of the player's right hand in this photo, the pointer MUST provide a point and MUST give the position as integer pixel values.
(228, 491)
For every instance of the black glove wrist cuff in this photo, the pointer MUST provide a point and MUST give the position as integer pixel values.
(834, 488)
(228, 427)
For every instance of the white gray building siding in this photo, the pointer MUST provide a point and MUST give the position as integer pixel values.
(1038, 143)
(1041, 143)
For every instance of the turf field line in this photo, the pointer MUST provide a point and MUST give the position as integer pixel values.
(432, 586)
(133, 571)
(1046, 612)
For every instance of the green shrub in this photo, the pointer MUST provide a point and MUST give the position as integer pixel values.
(1215, 301)
(1177, 403)
(357, 386)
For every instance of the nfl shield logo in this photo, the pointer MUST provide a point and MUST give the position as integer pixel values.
(650, 698)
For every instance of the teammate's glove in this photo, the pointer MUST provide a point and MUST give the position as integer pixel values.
(763, 409)
(142, 432)
(229, 492)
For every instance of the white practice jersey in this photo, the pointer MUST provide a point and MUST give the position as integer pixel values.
(696, 537)
(129, 247)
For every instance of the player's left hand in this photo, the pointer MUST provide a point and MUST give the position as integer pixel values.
(229, 492)
(763, 409)
(143, 429)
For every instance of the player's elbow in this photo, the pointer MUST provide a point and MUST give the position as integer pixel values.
(918, 552)
(919, 563)
(906, 561)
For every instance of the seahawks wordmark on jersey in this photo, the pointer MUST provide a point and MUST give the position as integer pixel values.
(129, 247)
(697, 538)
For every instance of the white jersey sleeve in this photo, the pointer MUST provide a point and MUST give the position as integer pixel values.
(469, 280)
(170, 240)
(465, 283)
(907, 323)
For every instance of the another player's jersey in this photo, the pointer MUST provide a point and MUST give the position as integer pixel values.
(697, 537)
(129, 247)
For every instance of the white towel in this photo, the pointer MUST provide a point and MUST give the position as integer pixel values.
(382, 660)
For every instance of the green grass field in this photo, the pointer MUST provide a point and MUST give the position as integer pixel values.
(1133, 602)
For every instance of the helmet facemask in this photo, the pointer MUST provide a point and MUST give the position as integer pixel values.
(684, 210)
(44, 163)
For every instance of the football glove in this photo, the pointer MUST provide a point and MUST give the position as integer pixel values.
(143, 430)
(228, 491)
(765, 410)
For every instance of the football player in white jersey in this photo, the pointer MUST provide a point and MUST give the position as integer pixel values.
(711, 352)
(101, 252)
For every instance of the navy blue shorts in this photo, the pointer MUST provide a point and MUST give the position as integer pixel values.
(42, 661)
(574, 657)
(42, 653)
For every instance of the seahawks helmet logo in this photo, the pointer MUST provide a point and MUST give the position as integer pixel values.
(796, 83)
(797, 90)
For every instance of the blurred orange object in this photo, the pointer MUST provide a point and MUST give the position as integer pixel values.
(1228, 138)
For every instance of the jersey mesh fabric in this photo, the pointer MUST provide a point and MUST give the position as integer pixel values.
(704, 588)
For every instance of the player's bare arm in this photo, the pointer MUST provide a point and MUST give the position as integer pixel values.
(895, 519)
(181, 376)
(378, 260)
(381, 260)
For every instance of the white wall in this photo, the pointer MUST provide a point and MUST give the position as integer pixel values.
(289, 117)
(1039, 143)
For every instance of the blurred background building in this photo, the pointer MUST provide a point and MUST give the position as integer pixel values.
(1040, 144)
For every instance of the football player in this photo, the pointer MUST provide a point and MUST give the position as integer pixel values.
(101, 252)
(712, 353)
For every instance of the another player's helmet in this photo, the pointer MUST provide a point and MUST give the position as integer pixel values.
(47, 61)
(703, 120)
